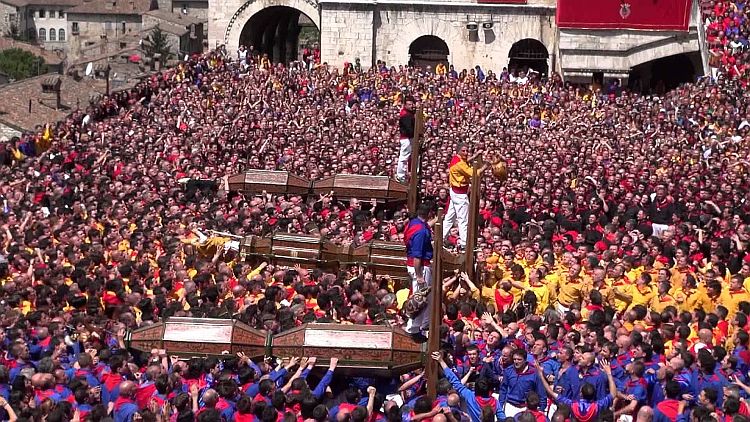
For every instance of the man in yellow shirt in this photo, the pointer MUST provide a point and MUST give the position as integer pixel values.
(639, 293)
(663, 299)
(540, 289)
(734, 295)
(459, 177)
(571, 291)
(688, 297)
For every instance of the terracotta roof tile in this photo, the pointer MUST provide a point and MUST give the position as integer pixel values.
(108, 7)
(14, 109)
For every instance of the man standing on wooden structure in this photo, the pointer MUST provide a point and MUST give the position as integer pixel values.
(406, 133)
(459, 177)
(418, 239)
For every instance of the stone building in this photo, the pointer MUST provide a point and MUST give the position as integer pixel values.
(42, 21)
(94, 23)
(185, 33)
(493, 34)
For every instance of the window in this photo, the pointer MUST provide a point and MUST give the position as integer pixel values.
(61, 35)
(12, 17)
(74, 28)
(52, 34)
(123, 26)
(41, 13)
(42, 34)
(107, 26)
(61, 14)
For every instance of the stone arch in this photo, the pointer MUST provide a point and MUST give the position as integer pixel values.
(449, 32)
(250, 8)
(428, 50)
(529, 53)
(662, 48)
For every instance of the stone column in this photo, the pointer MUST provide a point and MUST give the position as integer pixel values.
(269, 34)
(282, 32)
(292, 37)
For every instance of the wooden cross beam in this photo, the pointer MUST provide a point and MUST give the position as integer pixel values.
(471, 235)
(416, 155)
(436, 309)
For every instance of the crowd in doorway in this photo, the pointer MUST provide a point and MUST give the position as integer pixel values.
(613, 262)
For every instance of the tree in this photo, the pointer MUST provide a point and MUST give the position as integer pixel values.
(158, 43)
(21, 64)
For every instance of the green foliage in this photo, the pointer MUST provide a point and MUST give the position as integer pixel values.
(20, 64)
(158, 43)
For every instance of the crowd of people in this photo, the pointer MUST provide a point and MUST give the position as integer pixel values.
(613, 265)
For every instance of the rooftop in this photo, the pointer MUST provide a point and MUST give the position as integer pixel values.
(114, 7)
(14, 109)
(174, 18)
(56, 3)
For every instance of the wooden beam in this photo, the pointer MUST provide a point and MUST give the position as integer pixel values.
(416, 154)
(471, 233)
(436, 309)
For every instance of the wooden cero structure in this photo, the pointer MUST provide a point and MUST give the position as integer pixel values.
(344, 186)
(361, 349)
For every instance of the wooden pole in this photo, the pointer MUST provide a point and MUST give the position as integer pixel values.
(416, 153)
(436, 308)
(471, 234)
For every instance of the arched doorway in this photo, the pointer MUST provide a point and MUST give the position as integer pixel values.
(665, 73)
(282, 32)
(528, 54)
(428, 50)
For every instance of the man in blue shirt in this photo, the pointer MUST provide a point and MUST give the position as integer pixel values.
(418, 239)
(518, 381)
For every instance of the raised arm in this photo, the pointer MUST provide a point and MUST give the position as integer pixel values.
(543, 379)
(610, 379)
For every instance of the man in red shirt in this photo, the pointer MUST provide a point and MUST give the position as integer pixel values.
(405, 133)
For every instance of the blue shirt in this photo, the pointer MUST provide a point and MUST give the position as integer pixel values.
(418, 239)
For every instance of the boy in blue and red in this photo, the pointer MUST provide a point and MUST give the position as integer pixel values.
(668, 410)
(111, 380)
(418, 239)
(585, 372)
(706, 376)
(587, 408)
(477, 401)
(85, 371)
(518, 381)
(637, 387)
(125, 406)
(82, 404)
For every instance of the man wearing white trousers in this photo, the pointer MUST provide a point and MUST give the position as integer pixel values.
(406, 123)
(418, 239)
(459, 177)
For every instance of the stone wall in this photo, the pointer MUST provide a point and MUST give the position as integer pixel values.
(347, 31)
(8, 16)
(92, 27)
(8, 131)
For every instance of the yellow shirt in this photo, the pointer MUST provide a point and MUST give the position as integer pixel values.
(640, 295)
(541, 292)
(459, 173)
(623, 284)
(689, 300)
(571, 291)
(659, 304)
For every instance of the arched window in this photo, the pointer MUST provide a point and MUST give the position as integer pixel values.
(42, 34)
(52, 34)
(61, 34)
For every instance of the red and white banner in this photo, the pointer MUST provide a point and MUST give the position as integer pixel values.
(659, 15)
